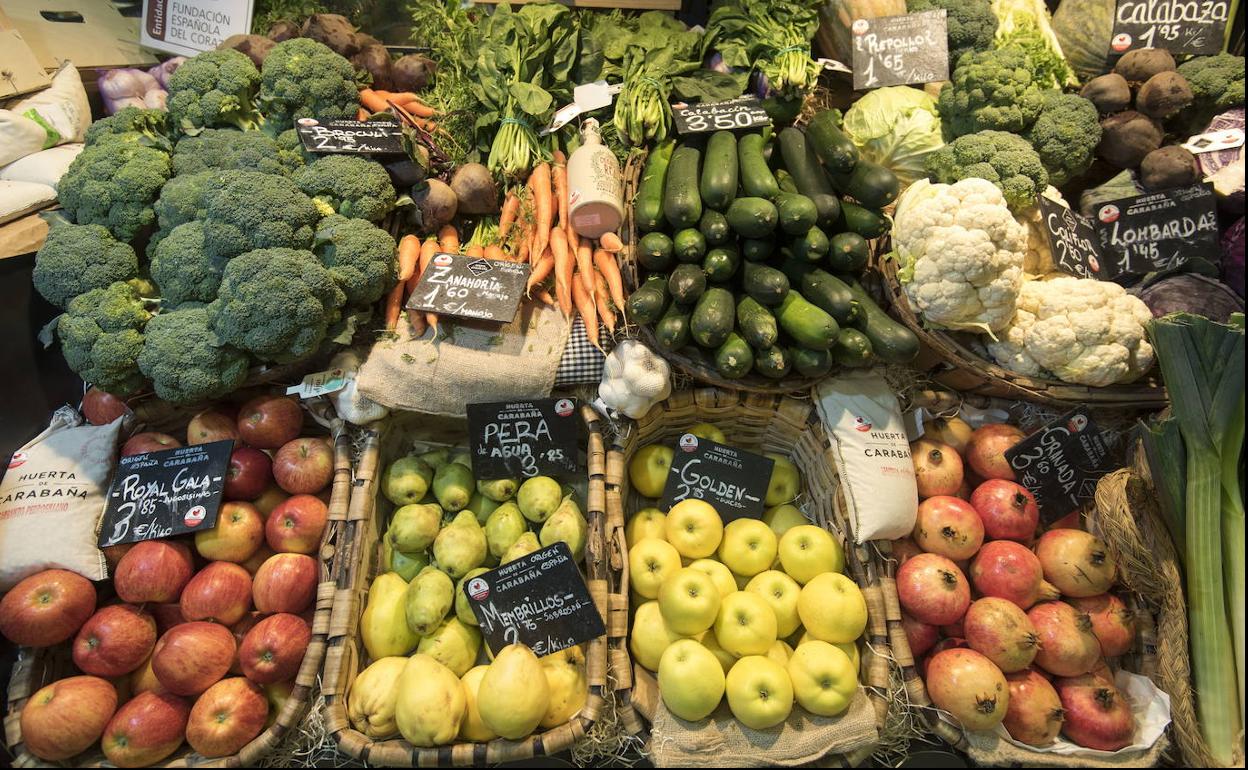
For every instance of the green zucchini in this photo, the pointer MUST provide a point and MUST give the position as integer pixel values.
(766, 285)
(714, 228)
(830, 144)
(756, 323)
(647, 303)
(797, 213)
(828, 293)
(890, 340)
(648, 204)
(806, 323)
(812, 246)
(773, 362)
(870, 184)
(856, 219)
(682, 205)
(686, 284)
(786, 182)
(800, 160)
(655, 252)
(689, 245)
(757, 181)
(757, 249)
(811, 363)
(849, 253)
(734, 358)
(721, 264)
(752, 217)
(852, 348)
(713, 318)
(672, 330)
(719, 171)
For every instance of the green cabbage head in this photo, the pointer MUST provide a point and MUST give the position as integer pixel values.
(895, 127)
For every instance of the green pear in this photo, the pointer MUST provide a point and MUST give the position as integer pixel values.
(429, 597)
(539, 497)
(436, 458)
(504, 527)
(498, 490)
(463, 610)
(482, 506)
(514, 694)
(454, 644)
(413, 527)
(408, 565)
(566, 524)
(460, 546)
(406, 480)
(453, 486)
(526, 545)
(462, 457)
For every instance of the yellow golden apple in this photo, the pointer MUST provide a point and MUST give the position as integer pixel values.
(832, 608)
(781, 592)
(807, 550)
(748, 547)
(650, 562)
(689, 601)
(759, 692)
(694, 528)
(746, 624)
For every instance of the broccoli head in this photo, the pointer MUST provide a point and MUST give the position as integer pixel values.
(214, 88)
(252, 210)
(349, 185)
(186, 360)
(359, 256)
(1217, 81)
(132, 124)
(1065, 135)
(101, 337)
(290, 148)
(78, 258)
(1006, 160)
(226, 148)
(114, 184)
(184, 198)
(181, 268)
(991, 90)
(971, 23)
(302, 78)
(276, 304)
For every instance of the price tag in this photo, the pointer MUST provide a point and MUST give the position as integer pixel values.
(358, 137)
(1061, 464)
(1158, 231)
(166, 493)
(522, 439)
(539, 600)
(319, 384)
(742, 112)
(470, 287)
(1215, 141)
(732, 480)
(1179, 26)
(899, 50)
(1073, 241)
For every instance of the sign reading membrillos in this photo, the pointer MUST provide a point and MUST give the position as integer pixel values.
(187, 27)
(899, 50)
(165, 493)
(470, 287)
(522, 439)
(1179, 26)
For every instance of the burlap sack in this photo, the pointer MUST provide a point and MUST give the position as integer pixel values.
(468, 363)
(990, 750)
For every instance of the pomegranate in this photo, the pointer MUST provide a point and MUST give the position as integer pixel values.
(964, 491)
(1112, 623)
(1072, 520)
(1077, 562)
(985, 452)
(920, 635)
(1001, 632)
(937, 468)
(1035, 714)
(1097, 715)
(968, 686)
(1008, 570)
(904, 548)
(944, 644)
(933, 589)
(955, 629)
(1008, 510)
(949, 430)
(949, 527)
(1067, 645)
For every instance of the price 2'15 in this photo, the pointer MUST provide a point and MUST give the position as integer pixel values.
(719, 121)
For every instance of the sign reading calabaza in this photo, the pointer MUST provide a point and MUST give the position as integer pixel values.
(522, 439)
(1179, 26)
(167, 493)
(732, 480)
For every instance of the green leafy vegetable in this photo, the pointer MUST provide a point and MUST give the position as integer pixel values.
(896, 127)
(771, 36)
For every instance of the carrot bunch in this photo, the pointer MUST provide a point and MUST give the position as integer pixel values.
(374, 100)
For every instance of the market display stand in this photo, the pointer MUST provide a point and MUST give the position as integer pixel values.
(644, 5)
(23, 235)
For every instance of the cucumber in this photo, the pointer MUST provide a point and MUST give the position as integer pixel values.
(863, 221)
(686, 284)
(830, 144)
(807, 324)
(773, 362)
(734, 358)
(757, 180)
(890, 340)
(721, 264)
(756, 323)
(766, 285)
(719, 171)
(828, 293)
(797, 213)
(752, 217)
(757, 249)
(852, 348)
(812, 246)
(811, 363)
(713, 318)
(800, 160)
(786, 181)
(672, 330)
(648, 204)
(689, 245)
(647, 303)
(682, 205)
(655, 252)
(849, 253)
(714, 228)
(870, 184)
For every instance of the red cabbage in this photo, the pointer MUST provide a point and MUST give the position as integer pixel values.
(1233, 256)
(1192, 293)
(1225, 168)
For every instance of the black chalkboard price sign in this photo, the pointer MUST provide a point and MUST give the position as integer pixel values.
(1073, 241)
(732, 480)
(899, 50)
(1179, 26)
(356, 137)
(470, 287)
(742, 112)
(1158, 231)
(539, 600)
(1061, 463)
(166, 493)
(522, 439)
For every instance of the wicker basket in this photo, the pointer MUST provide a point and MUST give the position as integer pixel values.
(38, 667)
(785, 426)
(356, 563)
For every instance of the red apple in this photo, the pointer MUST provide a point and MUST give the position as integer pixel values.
(220, 592)
(304, 466)
(121, 684)
(101, 408)
(146, 729)
(239, 532)
(167, 616)
(153, 571)
(114, 641)
(215, 424)
(270, 499)
(273, 650)
(149, 441)
(262, 554)
(113, 554)
(249, 474)
(240, 630)
(192, 657)
(67, 717)
(226, 717)
(270, 421)
(285, 583)
(297, 525)
(46, 608)
(277, 693)
(143, 679)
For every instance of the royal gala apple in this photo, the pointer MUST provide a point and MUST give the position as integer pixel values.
(167, 616)
(220, 592)
(285, 583)
(239, 532)
(67, 717)
(143, 679)
(192, 657)
(153, 571)
(226, 717)
(240, 630)
(297, 524)
(262, 554)
(101, 408)
(304, 466)
(248, 475)
(114, 641)
(149, 441)
(113, 554)
(269, 421)
(148, 728)
(215, 424)
(269, 499)
(273, 649)
(46, 608)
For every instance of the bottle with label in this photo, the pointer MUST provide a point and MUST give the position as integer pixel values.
(595, 186)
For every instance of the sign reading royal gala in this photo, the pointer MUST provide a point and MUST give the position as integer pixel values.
(164, 494)
(187, 27)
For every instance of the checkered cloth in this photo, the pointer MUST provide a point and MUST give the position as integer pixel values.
(582, 362)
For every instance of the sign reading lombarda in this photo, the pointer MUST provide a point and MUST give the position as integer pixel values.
(187, 27)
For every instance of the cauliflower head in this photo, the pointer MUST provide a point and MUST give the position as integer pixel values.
(961, 254)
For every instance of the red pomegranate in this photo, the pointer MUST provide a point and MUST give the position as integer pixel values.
(968, 686)
(1097, 715)
(955, 629)
(937, 468)
(933, 589)
(985, 452)
(1067, 645)
(1035, 715)
(1077, 562)
(1008, 570)
(1113, 623)
(952, 643)
(903, 549)
(1008, 510)
(921, 636)
(1000, 631)
(949, 527)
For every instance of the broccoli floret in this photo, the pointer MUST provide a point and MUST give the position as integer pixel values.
(226, 148)
(78, 258)
(971, 23)
(290, 148)
(101, 337)
(349, 185)
(182, 269)
(1065, 135)
(1217, 81)
(359, 256)
(215, 88)
(1006, 160)
(302, 78)
(132, 124)
(991, 90)
(184, 198)
(276, 304)
(114, 184)
(186, 360)
(252, 210)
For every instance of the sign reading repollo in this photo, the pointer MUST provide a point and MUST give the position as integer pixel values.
(187, 27)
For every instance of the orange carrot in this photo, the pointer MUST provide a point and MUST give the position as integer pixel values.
(574, 240)
(494, 251)
(545, 297)
(561, 186)
(409, 255)
(394, 306)
(522, 253)
(585, 266)
(448, 239)
(540, 271)
(418, 108)
(610, 242)
(543, 207)
(475, 250)
(589, 315)
(603, 297)
(418, 323)
(372, 100)
(507, 216)
(610, 270)
(362, 114)
(427, 250)
(565, 264)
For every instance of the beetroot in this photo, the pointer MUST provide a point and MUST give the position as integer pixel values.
(1097, 715)
(949, 527)
(969, 687)
(1077, 562)
(1007, 509)
(1067, 644)
(937, 468)
(933, 589)
(1113, 624)
(921, 636)
(1001, 632)
(1035, 714)
(1007, 570)
(985, 452)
